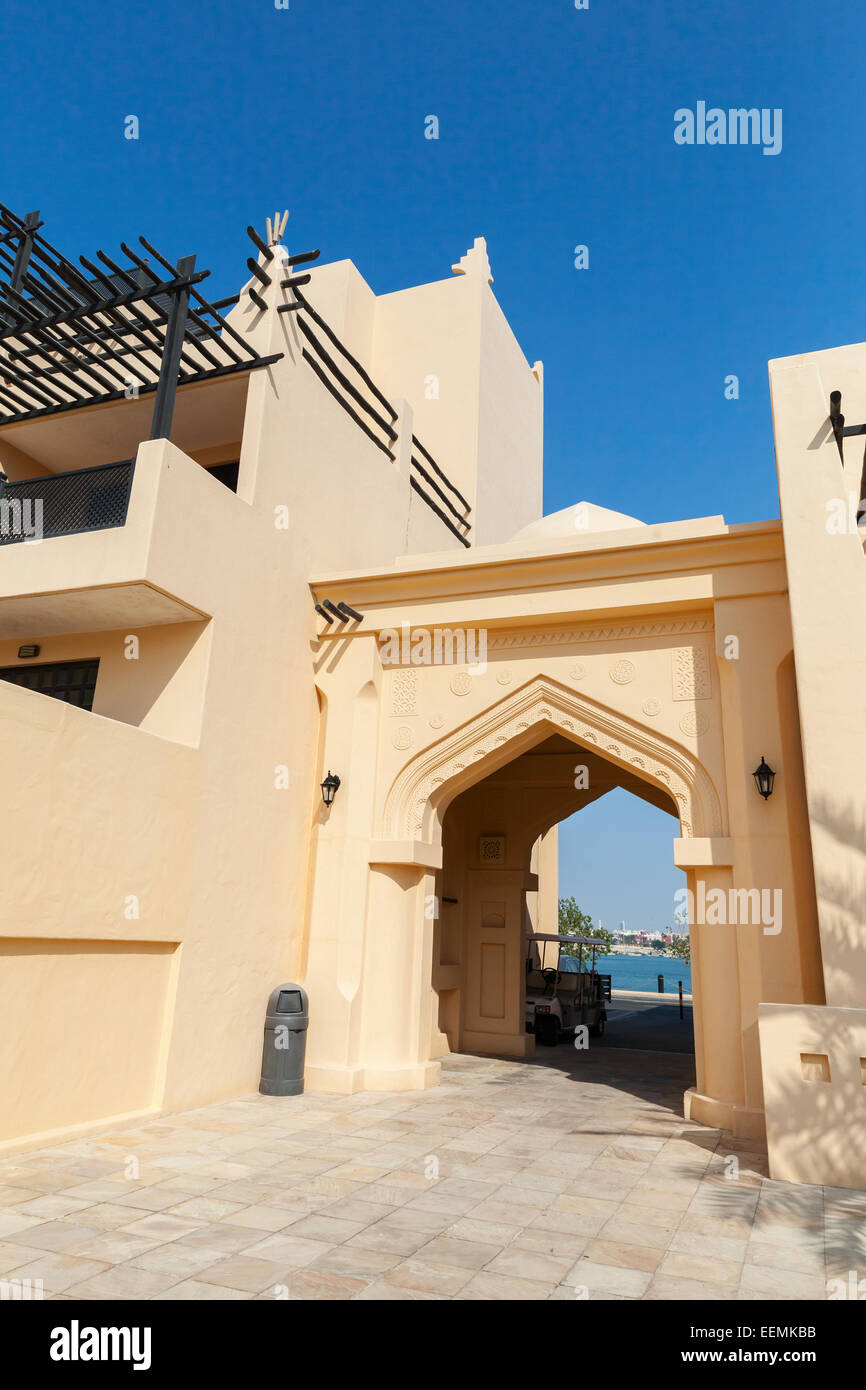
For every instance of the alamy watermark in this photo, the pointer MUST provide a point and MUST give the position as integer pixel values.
(853, 1288)
(846, 516)
(21, 516)
(77, 1343)
(733, 907)
(736, 126)
(438, 646)
(14, 1289)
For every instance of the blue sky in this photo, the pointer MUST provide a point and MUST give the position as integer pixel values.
(556, 129)
(616, 859)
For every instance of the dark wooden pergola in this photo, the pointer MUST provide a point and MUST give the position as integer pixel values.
(109, 330)
(73, 337)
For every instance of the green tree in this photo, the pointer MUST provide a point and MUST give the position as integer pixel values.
(681, 947)
(574, 922)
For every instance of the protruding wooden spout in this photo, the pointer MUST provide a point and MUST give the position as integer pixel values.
(837, 420)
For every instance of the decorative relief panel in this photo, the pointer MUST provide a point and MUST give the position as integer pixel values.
(404, 691)
(691, 673)
(409, 810)
(491, 849)
(493, 916)
(621, 672)
(694, 722)
(559, 637)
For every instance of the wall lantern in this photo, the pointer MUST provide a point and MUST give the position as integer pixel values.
(329, 788)
(764, 778)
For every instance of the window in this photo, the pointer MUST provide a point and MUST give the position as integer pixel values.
(226, 473)
(71, 681)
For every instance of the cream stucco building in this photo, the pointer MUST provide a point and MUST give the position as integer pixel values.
(213, 489)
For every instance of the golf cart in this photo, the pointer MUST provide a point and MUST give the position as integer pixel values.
(563, 991)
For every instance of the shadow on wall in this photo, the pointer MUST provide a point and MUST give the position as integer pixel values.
(163, 671)
(816, 1101)
(843, 896)
(824, 1126)
(844, 822)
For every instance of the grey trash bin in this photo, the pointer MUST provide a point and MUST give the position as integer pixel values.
(285, 1042)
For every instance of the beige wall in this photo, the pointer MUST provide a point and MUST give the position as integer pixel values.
(815, 1079)
(478, 405)
(815, 1126)
(86, 1026)
(172, 846)
(94, 901)
(827, 579)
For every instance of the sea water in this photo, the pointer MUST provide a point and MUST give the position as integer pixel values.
(641, 972)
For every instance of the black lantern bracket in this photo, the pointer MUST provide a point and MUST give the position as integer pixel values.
(330, 787)
(764, 778)
(841, 432)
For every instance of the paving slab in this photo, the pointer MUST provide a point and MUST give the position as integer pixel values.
(565, 1176)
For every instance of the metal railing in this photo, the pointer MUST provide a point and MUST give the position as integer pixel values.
(65, 504)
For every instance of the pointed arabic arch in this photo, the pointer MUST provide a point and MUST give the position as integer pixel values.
(423, 789)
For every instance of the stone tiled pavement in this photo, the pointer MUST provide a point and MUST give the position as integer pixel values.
(512, 1180)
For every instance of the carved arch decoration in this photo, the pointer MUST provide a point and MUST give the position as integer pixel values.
(429, 781)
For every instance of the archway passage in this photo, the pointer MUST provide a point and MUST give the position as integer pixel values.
(419, 796)
(498, 888)
(617, 876)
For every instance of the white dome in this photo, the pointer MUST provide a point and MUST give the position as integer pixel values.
(572, 522)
